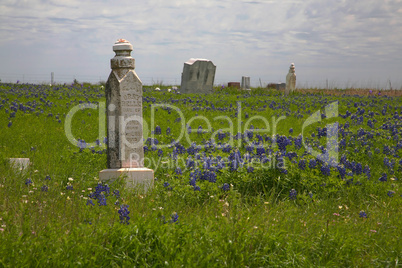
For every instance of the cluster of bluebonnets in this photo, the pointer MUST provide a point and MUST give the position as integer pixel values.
(369, 137)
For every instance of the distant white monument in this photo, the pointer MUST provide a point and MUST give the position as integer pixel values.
(198, 76)
(245, 82)
(290, 80)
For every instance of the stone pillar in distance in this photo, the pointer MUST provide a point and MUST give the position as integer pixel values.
(290, 80)
(125, 152)
(245, 82)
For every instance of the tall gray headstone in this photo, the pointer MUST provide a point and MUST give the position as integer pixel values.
(198, 76)
(245, 82)
(125, 152)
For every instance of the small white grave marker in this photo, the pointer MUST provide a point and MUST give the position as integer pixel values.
(20, 163)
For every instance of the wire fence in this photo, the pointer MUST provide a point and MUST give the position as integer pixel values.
(219, 81)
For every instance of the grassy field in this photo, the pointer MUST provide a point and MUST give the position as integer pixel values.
(235, 182)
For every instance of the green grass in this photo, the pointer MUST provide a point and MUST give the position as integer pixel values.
(254, 224)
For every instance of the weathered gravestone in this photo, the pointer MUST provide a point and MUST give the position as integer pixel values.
(198, 76)
(125, 153)
(290, 80)
(280, 86)
(245, 82)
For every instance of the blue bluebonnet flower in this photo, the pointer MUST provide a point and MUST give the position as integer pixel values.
(175, 218)
(158, 130)
(390, 193)
(44, 188)
(197, 188)
(209, 176)
(225, 187)
(116, 193)
(193, 181)
(302, 164)
(311, 195)
(48, 178)
(123, 214)
(168, 131)
(69, 187)
(293, 194)
(290, 130)
(166, 184)
(260, 150)
(325, 170)
(101, 191)
(312, 164)
(362, 214)
(250, 169)
(102, 199)
(82, 144)
(190, 162)
(199, 130)
(249, 134)
(282, 142)
(298, 142)
(178, 171)
(383, 178)
(358, 169)
(366, 170)
(160, 152)
(9, 124)
(28, 182)
(386, 150)
(342, 171)
(90, 202)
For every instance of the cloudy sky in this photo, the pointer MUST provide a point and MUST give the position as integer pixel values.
(351, 43)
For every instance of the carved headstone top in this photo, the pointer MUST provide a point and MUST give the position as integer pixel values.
(292, 68)
(123, 58)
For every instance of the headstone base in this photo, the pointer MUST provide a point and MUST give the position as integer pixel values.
(134, 177)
